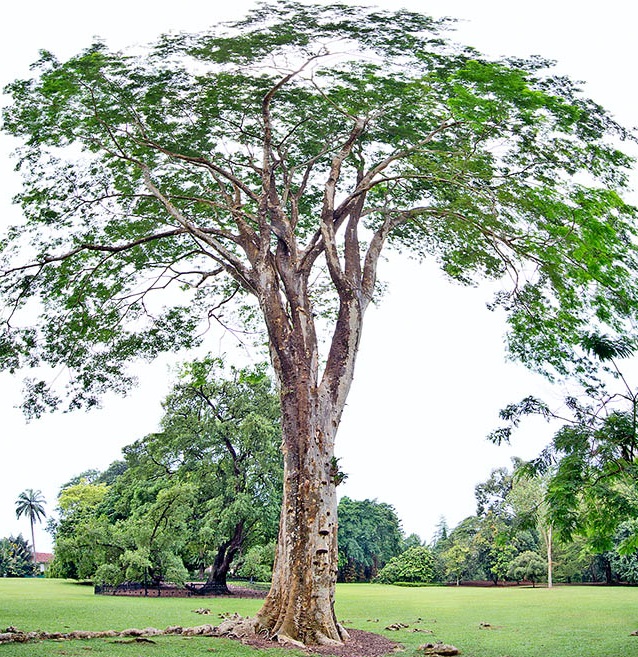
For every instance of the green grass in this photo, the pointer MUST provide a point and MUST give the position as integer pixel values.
(562, 622)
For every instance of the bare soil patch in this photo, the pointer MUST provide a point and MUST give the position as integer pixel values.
(360, 644)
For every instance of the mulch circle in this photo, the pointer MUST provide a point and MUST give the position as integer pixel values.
(360, 644)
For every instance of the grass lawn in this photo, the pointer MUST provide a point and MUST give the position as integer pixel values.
(525, 622)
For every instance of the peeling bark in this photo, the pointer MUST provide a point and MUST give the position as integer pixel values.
(299, 608)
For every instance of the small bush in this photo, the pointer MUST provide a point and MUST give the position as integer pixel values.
(415, 565)
(528, 565)
(16, 559)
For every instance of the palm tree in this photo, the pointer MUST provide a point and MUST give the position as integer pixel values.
(30, 503)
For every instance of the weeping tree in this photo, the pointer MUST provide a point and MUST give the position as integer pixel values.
(254, 174)
(220, 433)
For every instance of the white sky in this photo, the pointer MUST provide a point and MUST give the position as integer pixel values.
(431, 375)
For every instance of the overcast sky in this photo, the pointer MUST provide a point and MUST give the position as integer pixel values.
(431, 374)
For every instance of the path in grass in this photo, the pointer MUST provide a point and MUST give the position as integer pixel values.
(562, 622)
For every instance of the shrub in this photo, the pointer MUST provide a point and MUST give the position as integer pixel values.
(528, 565)
(16, 559)
(416, 564)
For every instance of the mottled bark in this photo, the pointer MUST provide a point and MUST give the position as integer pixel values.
(299, 606)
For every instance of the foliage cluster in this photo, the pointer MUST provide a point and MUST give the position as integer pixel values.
(509, 538)
(583, 484)
(369, 536)
(16, 557)
(416, 564)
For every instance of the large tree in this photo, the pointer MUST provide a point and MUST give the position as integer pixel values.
(269, 163)
(369, 536)
(198, 493)
(221, 434)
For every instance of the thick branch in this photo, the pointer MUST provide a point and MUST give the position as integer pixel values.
(98, 247)
(328, 231)
(233, 264)
(365, 183)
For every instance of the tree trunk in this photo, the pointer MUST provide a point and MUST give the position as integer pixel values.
(609, 579)
(550, 583)
(33, 543)
(299, 608)
(216, 582)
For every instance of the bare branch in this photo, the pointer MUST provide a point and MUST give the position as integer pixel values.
(226, 258)
(328, 231)
(98, 247)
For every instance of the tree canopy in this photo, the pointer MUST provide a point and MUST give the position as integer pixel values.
(416, 564)
(293, 136)
(369, 536)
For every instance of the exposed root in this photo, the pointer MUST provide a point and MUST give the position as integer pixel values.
(247, 630)
(343, 632)
(14, 635)
(285, 640)
(356, 643)
(236, 627)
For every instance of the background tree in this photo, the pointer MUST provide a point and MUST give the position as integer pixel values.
(623, 561)
(194, 496)
(494, 542)
(221, 430)
(455, 561)
(412, 540)
(369, 536)
(441, 533)
(16, 558)
(573, 561)
(30, 503)
(590, 466)
(529, 500)
(529, 566)
(415, 565)
(270, 163)
(257, 563)
(483, 546)
(74, 531)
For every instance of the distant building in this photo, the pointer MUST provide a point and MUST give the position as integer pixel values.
(42, 560)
